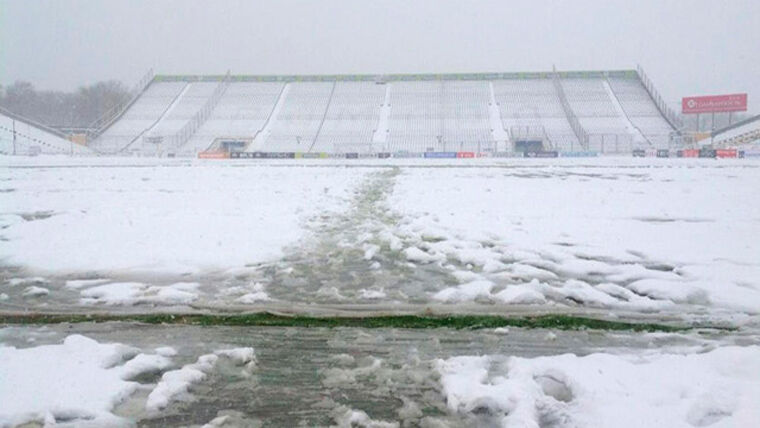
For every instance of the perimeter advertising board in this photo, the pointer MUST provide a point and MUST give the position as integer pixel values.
(714, 104)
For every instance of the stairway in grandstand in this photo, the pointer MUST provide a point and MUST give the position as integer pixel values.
(641, 110)
(532, 107)
(607, 112)
(241, 113)
(146, 112)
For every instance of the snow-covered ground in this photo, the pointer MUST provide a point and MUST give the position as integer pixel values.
(614, 235)
(80, 381)
(122, 374)
(719, 388)
(161, 219)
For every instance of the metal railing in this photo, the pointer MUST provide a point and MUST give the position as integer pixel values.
(188, 130)
(666, 111)
(108, 118)
(575, 124)
(611, 143)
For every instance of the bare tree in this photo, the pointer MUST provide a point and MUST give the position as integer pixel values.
(76, 109)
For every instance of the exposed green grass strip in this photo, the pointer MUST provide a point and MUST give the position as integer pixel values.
(562, 322)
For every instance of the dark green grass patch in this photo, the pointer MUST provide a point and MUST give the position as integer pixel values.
(265, 319)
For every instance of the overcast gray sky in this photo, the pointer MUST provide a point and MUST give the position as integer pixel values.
(687, 47)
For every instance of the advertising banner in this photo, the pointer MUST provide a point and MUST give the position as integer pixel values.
(707, 153)
(403, 155)
(541, 154)
(579, 154)
(726, 153)
(714, 104)
(213, 155)
(262, 155)
(441, 155)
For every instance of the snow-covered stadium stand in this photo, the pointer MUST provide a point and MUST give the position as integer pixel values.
(601, 111)
(184, 107)
(351, 118)
(298, 122)
(743, 135)
(149, 108)
(591, 103)
(531, 108)
(240, 113)
(22, 136)
(466, 123)
(642, 111)
(439, 116)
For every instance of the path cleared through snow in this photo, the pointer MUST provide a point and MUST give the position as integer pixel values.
(611, 235)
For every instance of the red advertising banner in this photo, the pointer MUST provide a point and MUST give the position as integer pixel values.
(213, 155)
(714, 103)
(726, 153)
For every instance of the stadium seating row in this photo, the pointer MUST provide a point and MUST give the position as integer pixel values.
(414, 116)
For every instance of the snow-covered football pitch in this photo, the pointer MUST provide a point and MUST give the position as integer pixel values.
(673, 242)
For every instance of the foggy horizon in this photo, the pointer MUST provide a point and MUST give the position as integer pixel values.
(80, 42)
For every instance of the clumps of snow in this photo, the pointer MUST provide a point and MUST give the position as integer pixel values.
(520, 296)
(180, 293)
(76, 284)
(175, 384)
(144, 363)
(78, 380)
(393, 241)
(371, 294)
(35, 280)
(676, 291)
(251, 298)
(132, 293)
(239, 356)
(345, 417)
(370, 250)
(232, 419)
(258, 295)
(593, 254)
(465, 276)
(719, 387)
(528, 272)
(414, 254)
(583, 293)
(171, 296)
(3, 296)
(34, 291)
(334, 376)
(166, 351)
(465, 292)
(330, 293)
(117, 293)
